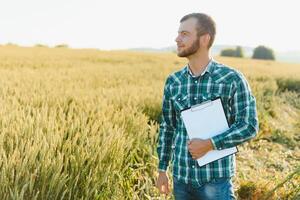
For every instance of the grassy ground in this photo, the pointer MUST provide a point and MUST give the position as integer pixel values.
(82, 124)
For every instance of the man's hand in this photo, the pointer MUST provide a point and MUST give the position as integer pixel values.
(163, 183)
(199, 147)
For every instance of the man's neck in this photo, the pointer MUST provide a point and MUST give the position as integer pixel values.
(198, 62)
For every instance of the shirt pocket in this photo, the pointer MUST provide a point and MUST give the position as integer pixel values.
(181, 102)
(222, 91)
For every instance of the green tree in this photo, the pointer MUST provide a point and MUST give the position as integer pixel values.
(228, 52)
(238, 52)
(262, 52)
(62, 46)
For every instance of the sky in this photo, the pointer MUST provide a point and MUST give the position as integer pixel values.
(122, 24)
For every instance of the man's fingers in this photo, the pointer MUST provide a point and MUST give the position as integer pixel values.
(168, 190)
(192, 151)
(158, 184)
(198, 156)
(164, 189)
(159, 187)
(163, 186)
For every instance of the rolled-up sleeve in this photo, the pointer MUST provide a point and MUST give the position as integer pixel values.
(245, 124)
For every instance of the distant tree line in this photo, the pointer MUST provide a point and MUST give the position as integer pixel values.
(238, 52)
(260, 52)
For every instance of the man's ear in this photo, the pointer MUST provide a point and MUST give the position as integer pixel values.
(204, 39)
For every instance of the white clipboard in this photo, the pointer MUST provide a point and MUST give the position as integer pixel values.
(204, 121)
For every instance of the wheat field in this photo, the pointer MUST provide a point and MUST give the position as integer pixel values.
(83, 124)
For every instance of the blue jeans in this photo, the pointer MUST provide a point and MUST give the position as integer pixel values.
(216, 189)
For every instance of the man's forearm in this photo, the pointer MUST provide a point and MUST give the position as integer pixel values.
(237, 134)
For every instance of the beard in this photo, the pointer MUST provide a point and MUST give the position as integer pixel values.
(191, 50)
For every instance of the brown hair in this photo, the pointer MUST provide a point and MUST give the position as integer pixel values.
(205, 25)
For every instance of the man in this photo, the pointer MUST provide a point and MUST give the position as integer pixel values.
(200, 80)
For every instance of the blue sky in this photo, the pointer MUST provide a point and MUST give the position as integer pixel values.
(123, 24)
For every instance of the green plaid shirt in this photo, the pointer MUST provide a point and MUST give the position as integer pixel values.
(183, 90)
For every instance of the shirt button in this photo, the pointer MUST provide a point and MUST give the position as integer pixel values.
(196, 81)
(193, 166)
(195, 98)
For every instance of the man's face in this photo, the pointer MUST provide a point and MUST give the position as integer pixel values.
(187, 40)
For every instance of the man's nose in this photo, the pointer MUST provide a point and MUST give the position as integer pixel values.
(177, 39)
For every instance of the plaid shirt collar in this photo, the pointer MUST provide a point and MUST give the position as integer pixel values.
(208, 68)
